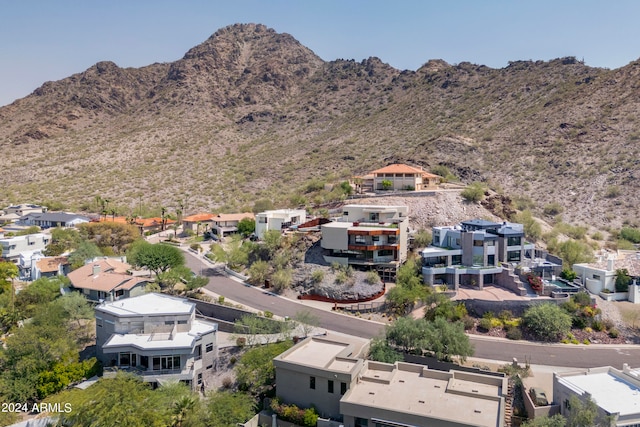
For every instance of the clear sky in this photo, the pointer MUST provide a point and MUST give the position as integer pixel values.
(42, 40)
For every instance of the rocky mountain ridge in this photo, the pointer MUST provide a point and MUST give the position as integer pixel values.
(251, 113)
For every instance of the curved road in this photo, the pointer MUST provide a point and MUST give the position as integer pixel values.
(485, 348)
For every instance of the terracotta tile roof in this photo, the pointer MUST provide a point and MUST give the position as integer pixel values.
(234, 216)
(111, 276)
(399, 168)
(140, 222)
(51, 264)
(198, 217)
(153, 222)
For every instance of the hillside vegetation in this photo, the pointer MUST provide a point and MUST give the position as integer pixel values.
(252, 114)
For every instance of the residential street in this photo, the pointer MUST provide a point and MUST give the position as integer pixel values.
(578, 356)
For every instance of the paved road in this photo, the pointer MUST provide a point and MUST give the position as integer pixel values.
(492, 349)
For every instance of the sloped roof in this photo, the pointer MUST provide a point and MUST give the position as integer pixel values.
(51, 264)
(111, 276)
(198, 217)
(234, 216)
(398, 168)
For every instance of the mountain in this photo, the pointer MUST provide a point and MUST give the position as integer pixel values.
(251, 113)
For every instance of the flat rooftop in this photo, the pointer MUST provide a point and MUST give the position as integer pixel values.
(414, 389)
(328, 352)
(148, 304)
(159, 341)
(611, 392)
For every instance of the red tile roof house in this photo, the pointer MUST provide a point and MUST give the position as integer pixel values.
(404, 177)
(107, 280)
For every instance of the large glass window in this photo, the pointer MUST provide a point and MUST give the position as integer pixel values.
(166, 363)
(513, 256)
(514, 241)
(343, 388)
(359, 239)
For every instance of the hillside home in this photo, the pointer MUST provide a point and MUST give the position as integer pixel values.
(157, 337)
(614, 392)
(601, 274)
(224, 224)
(53, 219)
(331, 374)
(12, 247)
(403, 177)
(107, 280)
(198, 223)
(50, 266)
(14, 213)
(472, 253)
(367, 235)
(279, 220)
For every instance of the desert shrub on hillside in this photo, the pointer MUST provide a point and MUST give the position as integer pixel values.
(473, 192)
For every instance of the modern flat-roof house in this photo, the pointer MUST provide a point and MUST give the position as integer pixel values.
(616, 393)
(12, 247)
(279, 220)
(53, 219)
(601, 274)
(472, 253)
(367, 235)
(403, 177)
(107, 280)
(157, 337)
(330, 374)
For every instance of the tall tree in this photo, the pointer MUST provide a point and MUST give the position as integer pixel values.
(158, 258)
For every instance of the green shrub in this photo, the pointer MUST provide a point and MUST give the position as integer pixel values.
(514, 333)
(485, 324)
(607, 324)
(317, 276)
(553, 209)
(547, 321)
(630, 234)
(582, 299)
(372, 278)
(468, 322)
(597, 325)
(473, 192)
(614, 333)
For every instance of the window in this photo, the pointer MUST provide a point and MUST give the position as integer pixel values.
(262, 220)
(514, 241)
(345, 213)
(374, 216)
(360, 240)
(209, 348)
(375, 238)
(168, 322)
(456, 259)
(361, 422)
(478, 243)
(99, 322)
(343, 388)
(312, 383)
(166, 363)
(125, 359)
(199, 378)
(182, 322)
(330, 386)
(385, 252)
(392, 240)
(513, 256)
